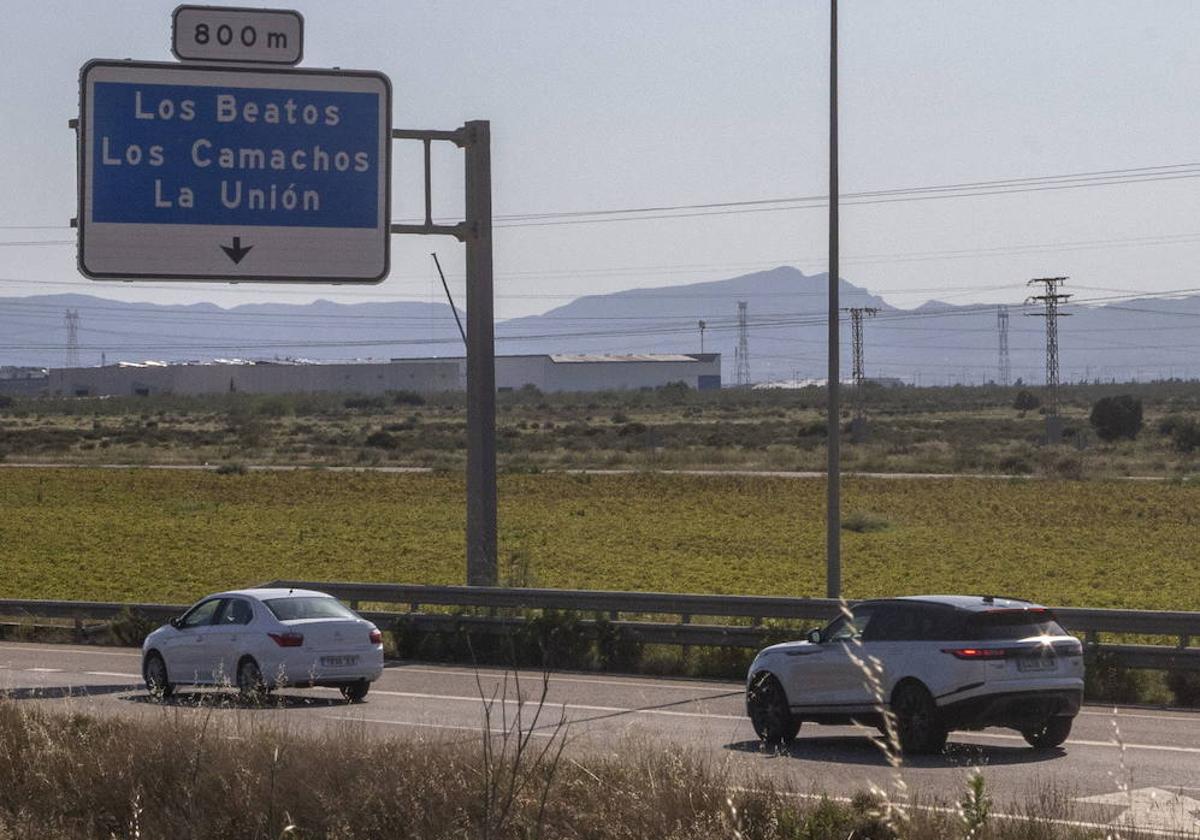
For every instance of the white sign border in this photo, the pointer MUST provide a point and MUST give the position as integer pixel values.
(83, 172)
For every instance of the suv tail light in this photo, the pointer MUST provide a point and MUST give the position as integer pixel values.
(977, 653)
(287, 639)
(376, 637)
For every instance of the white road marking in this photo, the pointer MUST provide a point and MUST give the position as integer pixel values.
(534, 677)
(45, 670)
(431, 725)
(113, 674)
(1153, 808)
(573, 706)
(67, 649)
(1181, 716)
(1085, 743)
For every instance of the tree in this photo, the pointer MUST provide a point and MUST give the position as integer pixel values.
(1026, 401)
(1117, 417)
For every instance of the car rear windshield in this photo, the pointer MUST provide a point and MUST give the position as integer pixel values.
(1014, 624)
(290, 609)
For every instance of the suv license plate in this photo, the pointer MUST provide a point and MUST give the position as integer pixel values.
(1038, 663)
(338, 661)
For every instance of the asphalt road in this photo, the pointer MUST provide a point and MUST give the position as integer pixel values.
(1158, 756)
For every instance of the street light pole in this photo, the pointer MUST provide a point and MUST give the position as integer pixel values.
(833, 518)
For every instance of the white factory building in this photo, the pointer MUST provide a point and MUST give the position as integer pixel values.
(546, 372)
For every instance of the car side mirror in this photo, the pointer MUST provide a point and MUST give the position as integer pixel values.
(814, 637)
(176, 621)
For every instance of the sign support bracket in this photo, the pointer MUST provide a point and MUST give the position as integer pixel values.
(475, 232)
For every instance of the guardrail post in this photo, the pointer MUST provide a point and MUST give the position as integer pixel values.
(685, 618)
(79, 637)
(1185, 641)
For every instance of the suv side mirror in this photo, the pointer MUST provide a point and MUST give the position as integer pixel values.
(176, 621)
(814, 637)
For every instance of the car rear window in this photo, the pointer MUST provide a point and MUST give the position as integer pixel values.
(290, 609)
(1014, 624)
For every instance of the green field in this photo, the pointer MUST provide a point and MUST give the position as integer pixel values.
(172, 536)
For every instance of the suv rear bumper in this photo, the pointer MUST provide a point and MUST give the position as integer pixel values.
(1014, 709)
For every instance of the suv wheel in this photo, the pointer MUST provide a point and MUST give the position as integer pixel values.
(918, 724)
(1050, 734)
(769, 712)
(355, 691)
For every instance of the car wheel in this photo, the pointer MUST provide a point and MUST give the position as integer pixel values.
(769, 712)
(1050, 734)
(918, 724)
(356, 691)
(154, 672)
(251, 687)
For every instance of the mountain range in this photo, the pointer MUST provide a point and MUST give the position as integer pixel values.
(785, 315)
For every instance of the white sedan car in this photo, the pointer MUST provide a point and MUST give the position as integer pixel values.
(260, 639)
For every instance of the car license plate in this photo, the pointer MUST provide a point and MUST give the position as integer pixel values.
(1037, 663)
(338, 661)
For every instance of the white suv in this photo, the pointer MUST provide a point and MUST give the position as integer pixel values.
(943, 662)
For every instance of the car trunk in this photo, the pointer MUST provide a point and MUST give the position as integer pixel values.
(332, 636)
(1029, 643)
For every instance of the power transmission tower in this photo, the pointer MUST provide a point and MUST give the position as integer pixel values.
(1002, 326)
(1051, 299)
(741, 355)
(857, 314)
(71, 320)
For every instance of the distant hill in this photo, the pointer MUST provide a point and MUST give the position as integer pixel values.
(934, 343)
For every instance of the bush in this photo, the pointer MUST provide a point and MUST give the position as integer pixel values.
(1107, 681)
(861, 522)
(1026, 401)
(131, 629)
(407, 398)
(382, 440)
(365, 403)
(1184, 432)
(1117, 417)
(231, 468)
(1185, 687)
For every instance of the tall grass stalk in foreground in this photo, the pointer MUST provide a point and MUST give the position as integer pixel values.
(894, 809)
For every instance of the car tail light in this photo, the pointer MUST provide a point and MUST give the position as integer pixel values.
(1071, 648)
(287, 639)
(376, 637)
(977, 653)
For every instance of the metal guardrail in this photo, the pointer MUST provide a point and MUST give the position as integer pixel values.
(641, 611)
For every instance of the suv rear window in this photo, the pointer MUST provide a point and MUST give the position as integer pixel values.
(1013, 624)
(290, 609)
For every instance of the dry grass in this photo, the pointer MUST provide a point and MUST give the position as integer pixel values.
(173, 776)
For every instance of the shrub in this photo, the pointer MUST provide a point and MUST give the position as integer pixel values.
(407, 398)
(1185, 434)
(365, 403)
(1117, 417)
(1107, 681)
(1185, 687)
(1026, 401)
(382, 440)
(131, 629)
(861, 522)
(231, 468)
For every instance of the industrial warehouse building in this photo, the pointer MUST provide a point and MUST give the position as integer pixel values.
(554, 372)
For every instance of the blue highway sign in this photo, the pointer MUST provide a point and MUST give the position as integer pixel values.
(240, 174)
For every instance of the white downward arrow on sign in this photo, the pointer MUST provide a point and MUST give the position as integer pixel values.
(1151, 808)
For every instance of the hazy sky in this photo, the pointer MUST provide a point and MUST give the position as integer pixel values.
(632, 104)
